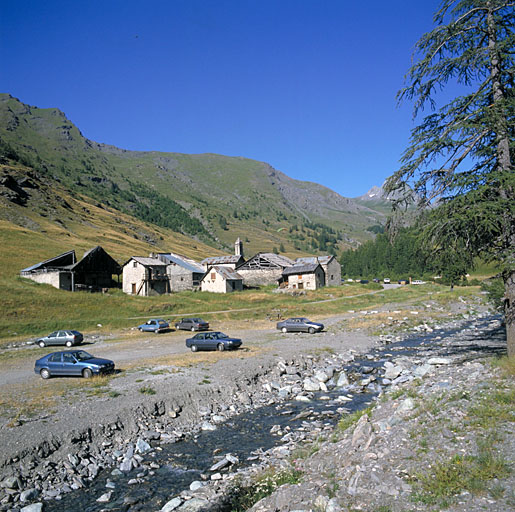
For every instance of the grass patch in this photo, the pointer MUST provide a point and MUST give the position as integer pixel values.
(459, 473)
(147, 390)
(245, 497)
(495, 407)
(351, 419)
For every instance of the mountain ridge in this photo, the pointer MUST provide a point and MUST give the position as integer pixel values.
(215, 198)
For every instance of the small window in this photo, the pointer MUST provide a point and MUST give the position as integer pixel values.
(68, 358)
(134, 264)
(55, 358)
(213, 276)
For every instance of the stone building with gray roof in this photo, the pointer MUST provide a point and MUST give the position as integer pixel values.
(332, 269)
(220, 279)
(145, 276)
(308, 276)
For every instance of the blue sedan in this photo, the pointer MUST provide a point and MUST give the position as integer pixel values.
(212, 341)
(72, 362)
(154, 325)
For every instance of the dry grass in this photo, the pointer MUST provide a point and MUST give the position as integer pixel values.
(189, 359)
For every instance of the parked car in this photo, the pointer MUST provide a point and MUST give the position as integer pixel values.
(418, 281)
(212, 341)
(299, 325)
(376, 280)
(192, 324)
(386, 280)
(364, 281)
(72, 362)
(68, 338)
(154, 325)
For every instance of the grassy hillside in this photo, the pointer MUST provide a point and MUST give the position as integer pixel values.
(213, 198)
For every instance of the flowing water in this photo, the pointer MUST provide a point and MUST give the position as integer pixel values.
(183, 462)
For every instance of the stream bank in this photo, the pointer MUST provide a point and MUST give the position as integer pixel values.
(306, 379)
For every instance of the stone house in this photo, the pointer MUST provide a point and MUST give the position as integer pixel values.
(310, 276)
(145, 276)
(220, 279)
(263, 268)
(332, 269)
(94, 272)
(183, 273)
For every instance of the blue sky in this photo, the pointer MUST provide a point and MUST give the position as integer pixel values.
(306, 85)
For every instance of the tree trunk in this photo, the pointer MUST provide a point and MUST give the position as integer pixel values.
(509, 312)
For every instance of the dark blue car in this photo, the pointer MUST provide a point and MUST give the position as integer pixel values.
(72, 362)
(212, 341)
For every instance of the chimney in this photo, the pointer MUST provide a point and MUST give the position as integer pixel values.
(238, 247)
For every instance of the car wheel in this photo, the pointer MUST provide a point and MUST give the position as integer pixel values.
(220, 347)
(45, 374)
(156, 331)
(193, 329)
(311, 330)
(284, 330)
(140, 329)
(41, 344)
(69, 343)
(194, 348)
(87, 373)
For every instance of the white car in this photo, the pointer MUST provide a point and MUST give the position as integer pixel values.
(386, 280)
(418, 281)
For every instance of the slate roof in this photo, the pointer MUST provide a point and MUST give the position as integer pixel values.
(148, 262)
(227, 273)
(301, 269)
(221, 260)
(323, 260)
(190, 265)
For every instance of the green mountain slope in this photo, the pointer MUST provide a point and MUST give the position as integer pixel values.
(212, 198)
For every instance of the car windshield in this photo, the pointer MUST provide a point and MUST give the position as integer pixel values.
(221, 335)
(81, 355)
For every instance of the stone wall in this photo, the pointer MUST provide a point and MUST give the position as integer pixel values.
(307, 281)
(260, 277)
(57, 279)
(133, 274)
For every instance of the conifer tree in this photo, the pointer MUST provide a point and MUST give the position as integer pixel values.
(461, 156)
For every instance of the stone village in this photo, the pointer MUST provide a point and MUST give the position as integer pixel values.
(162, 273)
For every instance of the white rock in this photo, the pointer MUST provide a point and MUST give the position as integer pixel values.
(195, 485)
(34, 507)
(207, 426)
(105, 497)
(439, 360)
(343, 380)
(171, 505)
(142, 446)
(311, 385)
(393, 372)
(406, 405)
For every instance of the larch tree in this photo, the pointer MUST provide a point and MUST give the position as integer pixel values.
(459, 166)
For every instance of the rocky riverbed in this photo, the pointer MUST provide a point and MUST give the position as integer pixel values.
(117, 465)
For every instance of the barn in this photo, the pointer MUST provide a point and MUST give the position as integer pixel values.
(263, 268)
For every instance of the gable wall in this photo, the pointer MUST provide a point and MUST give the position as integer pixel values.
(333, 269)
